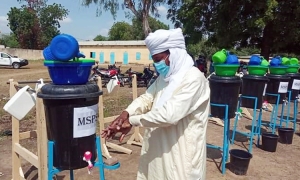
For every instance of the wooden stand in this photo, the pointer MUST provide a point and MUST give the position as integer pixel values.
(136, 138)
(102, 121)
(18, 151)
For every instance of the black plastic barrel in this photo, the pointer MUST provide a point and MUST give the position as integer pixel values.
(224, 90)
(239, 161)
(286, 135)
(253, 86)
(71, 113)
(294, 85)
(278, 84)
(269, 142)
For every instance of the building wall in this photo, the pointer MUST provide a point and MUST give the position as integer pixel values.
(24, 53)
(125, 54)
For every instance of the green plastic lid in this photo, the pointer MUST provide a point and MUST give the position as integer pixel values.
(68, 62)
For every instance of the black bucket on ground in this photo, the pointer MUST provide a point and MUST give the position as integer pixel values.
(254, 86)
(294, 85)
(239, 161)
(269, 142)
(224, 90)
(286, 135)
(71, 113)
(278, 84)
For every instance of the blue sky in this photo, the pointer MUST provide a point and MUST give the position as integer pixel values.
(82, 22)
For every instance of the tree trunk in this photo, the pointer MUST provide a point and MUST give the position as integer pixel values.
(146, 27)
(266, 41)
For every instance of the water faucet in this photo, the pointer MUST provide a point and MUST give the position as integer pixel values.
(87, 157)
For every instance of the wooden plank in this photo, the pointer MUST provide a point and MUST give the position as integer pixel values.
(16, 161)
(136, 138)
(26, 154)
(110, 119)
(28, 134)
(42, 140)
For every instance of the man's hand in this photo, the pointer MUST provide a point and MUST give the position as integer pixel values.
(120, 124)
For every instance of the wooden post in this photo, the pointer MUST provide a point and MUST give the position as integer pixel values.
(136, 138)
(42, 140)
(17, 173)
(102, 121)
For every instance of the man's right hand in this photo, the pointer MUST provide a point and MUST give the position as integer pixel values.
(115, 126)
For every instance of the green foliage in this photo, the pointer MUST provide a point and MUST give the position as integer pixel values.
(9, 41)
(49, 17)
(120, 31)
(201, 48)
(125, 31)
(270, 26)
(100, 38)
(137, 27)
(140, 9)
(35, 24)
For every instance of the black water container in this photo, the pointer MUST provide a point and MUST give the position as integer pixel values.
(269, 142)
(239, 161)
(224, 90)
(278, 84)
(71, 113)
(253, 86)
(286, 135)
(294, 85)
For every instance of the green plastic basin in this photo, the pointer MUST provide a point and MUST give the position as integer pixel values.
(278, 70)
(226, 69)
(257, 70)
(292, 69)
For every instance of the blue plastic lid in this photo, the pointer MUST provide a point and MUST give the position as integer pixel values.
(64, 47)
(47, 53)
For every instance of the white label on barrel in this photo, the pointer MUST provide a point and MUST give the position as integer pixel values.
(85, 119)
(264, 93)
(283, 87)
(296, 84)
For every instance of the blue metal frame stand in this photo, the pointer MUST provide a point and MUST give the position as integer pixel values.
(225, 147)
(255, 126)
(99, 163)
(287, 120)
(274, 114)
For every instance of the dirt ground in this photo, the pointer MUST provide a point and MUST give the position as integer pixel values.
(283, 164)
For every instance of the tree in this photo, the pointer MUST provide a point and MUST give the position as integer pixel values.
(137, 27)
(120, 31)
(140, 9)
(49, 17)
(9, 41)
(100, 38)
(268, 25)
(36, 23)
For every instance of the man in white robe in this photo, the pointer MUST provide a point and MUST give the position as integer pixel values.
(174, 111)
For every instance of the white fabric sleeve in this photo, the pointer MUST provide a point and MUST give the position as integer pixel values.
(143, 103)
(193, 92)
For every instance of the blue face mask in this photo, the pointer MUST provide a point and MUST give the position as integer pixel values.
(162, 68)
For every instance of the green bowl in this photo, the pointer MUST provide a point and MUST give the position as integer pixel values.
(292, 69)
(226, 69)
(278, 70)
(257, 70)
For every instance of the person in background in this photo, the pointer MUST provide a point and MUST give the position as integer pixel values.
(174, 112)
(211, 67)
(192, 56)
(202, 64)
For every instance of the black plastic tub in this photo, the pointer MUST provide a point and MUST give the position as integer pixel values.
(286, 135)
(269, 142)
(239, 161)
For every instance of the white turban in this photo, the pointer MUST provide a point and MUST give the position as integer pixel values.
(162, 40)
(180, 61)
